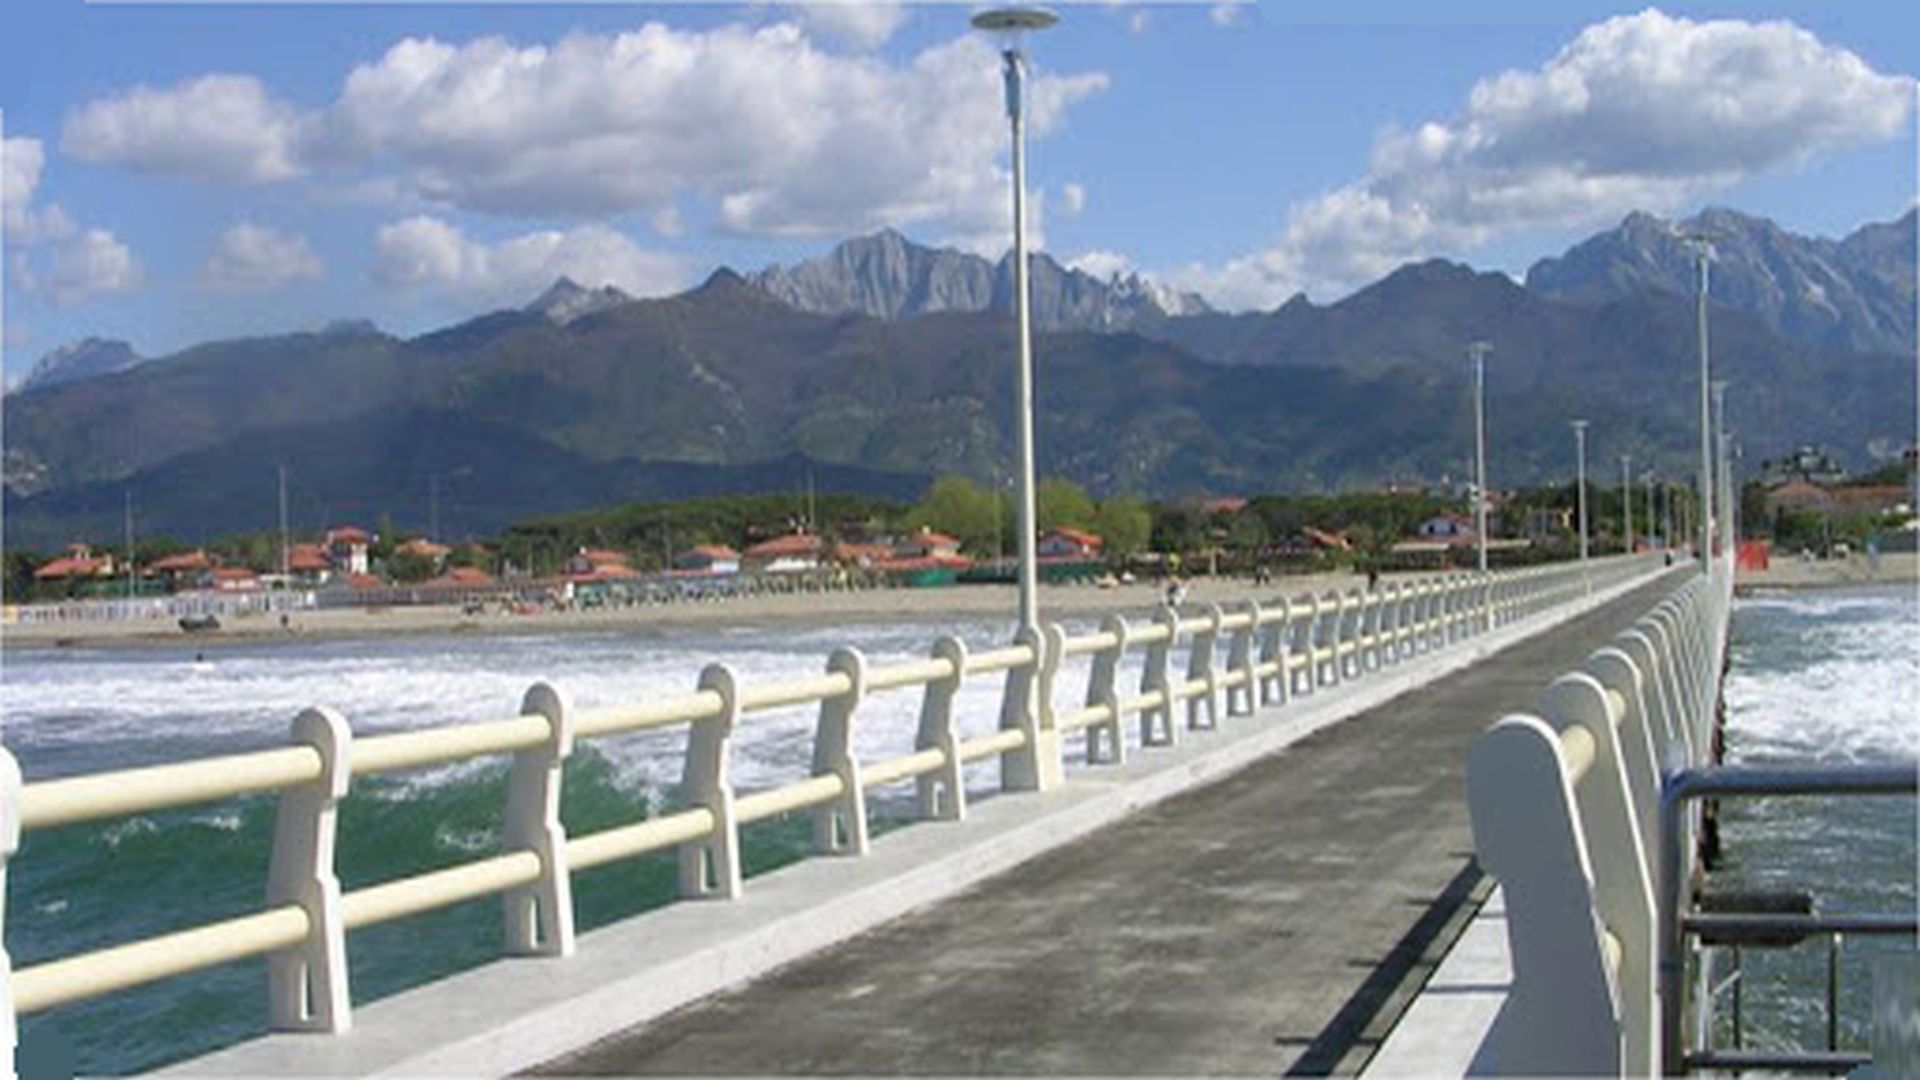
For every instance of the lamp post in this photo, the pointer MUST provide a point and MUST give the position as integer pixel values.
(1703, 254)
(1580, 456)
(1626, 500)
(1011, 23)
(1479, 350)
(1723, 475)
(1653, 539)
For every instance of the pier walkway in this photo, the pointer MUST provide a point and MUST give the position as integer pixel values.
(1274, 922)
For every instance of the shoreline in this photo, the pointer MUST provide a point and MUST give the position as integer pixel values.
(1853, 572)
(811, 609)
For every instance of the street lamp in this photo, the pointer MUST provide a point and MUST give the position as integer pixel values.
(1626, 499)
(1724, 474)
(1580, 456)
(1703, 254)
(1653, 539)
(1479, 350)
(1011, 24)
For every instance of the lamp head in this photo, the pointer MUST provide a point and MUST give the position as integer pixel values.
(1011, 22)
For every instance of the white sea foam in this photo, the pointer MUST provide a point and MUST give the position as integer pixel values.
(1831, 676)
(73, 712)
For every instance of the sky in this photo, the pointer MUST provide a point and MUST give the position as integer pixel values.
(175, 173)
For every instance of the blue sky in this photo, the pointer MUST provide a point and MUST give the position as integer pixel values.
(180, 173)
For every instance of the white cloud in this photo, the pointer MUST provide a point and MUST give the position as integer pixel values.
(1104, 265)
(254, 258)
(1645, 111)
(780, 136)
(222, 127)
(785, 138)
(89, 264)
(430, 254)
(1138, 21)
(1073, 199)
(21, 162)
(1226, 14)
(862, 23)
(51, 254)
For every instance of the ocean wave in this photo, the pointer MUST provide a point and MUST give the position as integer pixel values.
(1825, 676)
(86, 712)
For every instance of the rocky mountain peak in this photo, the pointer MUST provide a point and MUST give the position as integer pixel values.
(1855, 293)
(888, 276)
(84, 359)
(566, 300)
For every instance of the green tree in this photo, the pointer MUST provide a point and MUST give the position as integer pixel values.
(409, 566)
(960, 508)
(1124, 525)
(1061, 502)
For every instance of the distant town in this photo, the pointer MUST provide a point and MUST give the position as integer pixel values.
(958, 533)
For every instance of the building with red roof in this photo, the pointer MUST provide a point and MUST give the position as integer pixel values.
(928, 544)
(346, 547)
(234, 579)
(183, 569)
(790, 554)
(78, 564)
(708, 559)
(1067, 543)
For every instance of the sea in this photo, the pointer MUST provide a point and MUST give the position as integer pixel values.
(1820, 677)
(1817, 676)
(70, 711)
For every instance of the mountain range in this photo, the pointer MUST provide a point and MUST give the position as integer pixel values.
(887, 276)
(884, 363)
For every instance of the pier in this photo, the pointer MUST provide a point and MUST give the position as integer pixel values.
(1274, 922)
(1307, 678)
(1263, 880)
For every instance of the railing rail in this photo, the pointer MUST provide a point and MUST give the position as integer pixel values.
(1588, 811)
(1270, 653)
(1562, 801)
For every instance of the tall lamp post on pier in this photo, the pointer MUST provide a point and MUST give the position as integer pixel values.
(1580, 458)
(1011, 24)
(1478, 351)
(1702, 255)
(1626, 501)
(1653, 521)
(1724, 474)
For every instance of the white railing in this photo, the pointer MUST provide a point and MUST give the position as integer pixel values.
(1272, 653)
(1566, 805)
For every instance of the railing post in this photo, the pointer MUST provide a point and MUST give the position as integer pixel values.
(943, 794)
(1639, 752)
(307, 983)
(1332, 622)
(1373, 609)
(9, 843)
(1275, 687)
(1035, 766)
(711, 867)
(1241, 699)
(539, 916)
(1201, 667)
(1103, 688)
(1559, 1016)
(1622, 888)
(1157, 674)
(841, 825)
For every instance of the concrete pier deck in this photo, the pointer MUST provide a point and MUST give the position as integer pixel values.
(1275, 922)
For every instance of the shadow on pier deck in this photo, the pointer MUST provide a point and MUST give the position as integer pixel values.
(1275, 922)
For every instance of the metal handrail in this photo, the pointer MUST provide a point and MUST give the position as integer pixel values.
(1677, 793)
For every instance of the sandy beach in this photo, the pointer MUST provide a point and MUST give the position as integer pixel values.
(1790, 572)
(814, 609)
